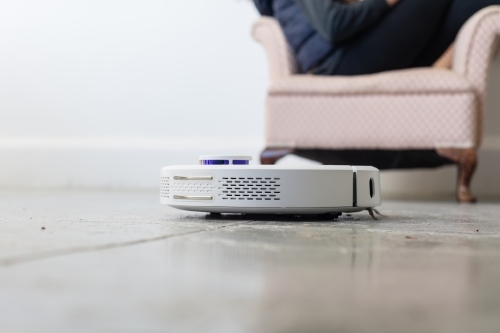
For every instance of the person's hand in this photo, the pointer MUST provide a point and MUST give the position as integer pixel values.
(392, 2)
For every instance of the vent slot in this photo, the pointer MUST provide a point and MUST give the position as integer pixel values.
(164, 187)
(250, 188)
(190, 187)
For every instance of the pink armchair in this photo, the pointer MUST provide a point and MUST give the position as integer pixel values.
(415, 109)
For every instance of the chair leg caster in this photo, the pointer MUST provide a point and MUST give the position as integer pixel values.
(466, 159)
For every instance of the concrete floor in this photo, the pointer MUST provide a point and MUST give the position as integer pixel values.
(89, 261)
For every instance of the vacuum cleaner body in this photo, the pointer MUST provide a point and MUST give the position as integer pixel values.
(221, 185)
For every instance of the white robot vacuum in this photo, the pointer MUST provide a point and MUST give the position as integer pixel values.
(229, 184)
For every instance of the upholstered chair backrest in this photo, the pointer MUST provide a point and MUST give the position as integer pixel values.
(280, 57)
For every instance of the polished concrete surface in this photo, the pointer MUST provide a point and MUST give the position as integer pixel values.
(90, 261)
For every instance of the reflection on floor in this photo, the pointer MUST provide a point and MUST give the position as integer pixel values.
(118, 261)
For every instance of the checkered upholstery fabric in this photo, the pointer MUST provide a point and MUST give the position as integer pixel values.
(372, 121)
(477, 44)
(417, 80)
(409, 109)
(280, 56)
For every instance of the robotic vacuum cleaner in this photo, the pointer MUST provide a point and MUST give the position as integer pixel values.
(230, 184)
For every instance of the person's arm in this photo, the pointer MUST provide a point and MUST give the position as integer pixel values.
(265, 7)
(337, 22)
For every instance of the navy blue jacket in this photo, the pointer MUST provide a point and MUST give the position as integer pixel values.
(313, 28)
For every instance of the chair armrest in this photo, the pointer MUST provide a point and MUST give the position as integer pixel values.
(476, 46)
(280, 57)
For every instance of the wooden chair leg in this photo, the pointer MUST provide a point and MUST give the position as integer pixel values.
(466, 159)
(271, 155)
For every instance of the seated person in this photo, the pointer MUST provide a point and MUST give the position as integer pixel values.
(334, 37)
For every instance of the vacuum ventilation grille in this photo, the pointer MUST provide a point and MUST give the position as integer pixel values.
(164, 187)
(188, 187)
(250, 188)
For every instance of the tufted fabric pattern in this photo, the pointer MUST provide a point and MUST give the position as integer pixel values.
(279, 55)
(408, 109)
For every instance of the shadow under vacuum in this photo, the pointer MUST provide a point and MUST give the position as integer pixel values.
(275, 217)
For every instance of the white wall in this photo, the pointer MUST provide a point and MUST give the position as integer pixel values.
(102, 93)
(105, 68)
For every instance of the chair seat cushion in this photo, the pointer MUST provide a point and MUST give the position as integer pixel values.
(418, 80)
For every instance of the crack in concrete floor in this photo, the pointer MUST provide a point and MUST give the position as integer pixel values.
(15, 260)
